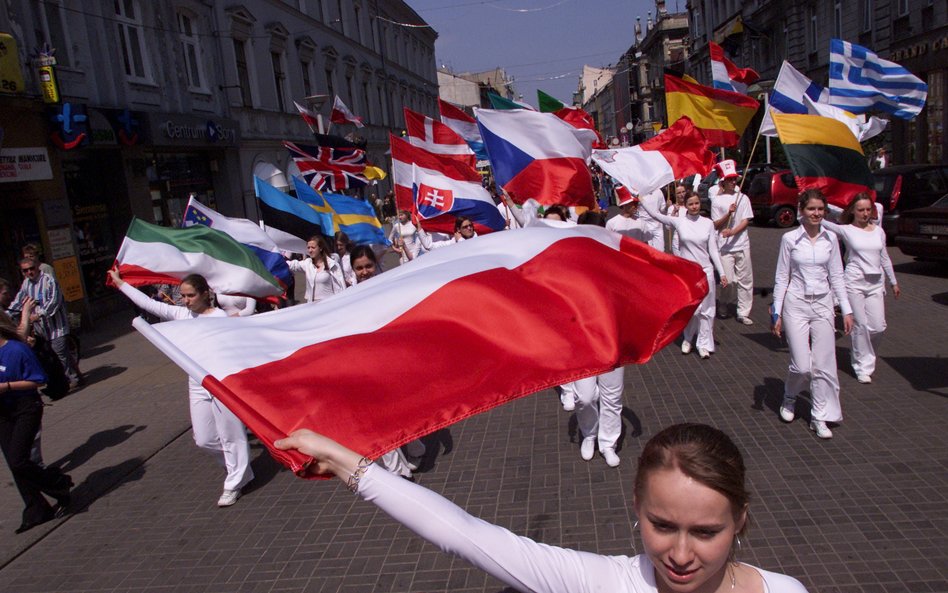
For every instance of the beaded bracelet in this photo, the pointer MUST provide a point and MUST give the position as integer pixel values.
(353, 482)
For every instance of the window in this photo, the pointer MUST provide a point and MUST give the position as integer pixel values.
(365, 100)
(128, 18)
(352, 98)
(812, 33)
(330, 88)
(306, 67)
(243, 72)
(697, 24)
(866, 15)
(342, 17)
(279, 79)
(902, 7)
(358, 23)
(49, 30)
(838, 20)
(191, 48)
(382, 108)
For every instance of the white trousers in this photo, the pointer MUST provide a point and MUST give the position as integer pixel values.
(811, 335)
(567, 393)
(740, 277)
(222, 434)
(603, 421)
(869, 315)
(396, 460)
(702, 322)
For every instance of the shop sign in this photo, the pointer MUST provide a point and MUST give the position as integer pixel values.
(920, 49)
(69, 278)
(60, 243)
(24, 164)
(185, 130)
(11, 75)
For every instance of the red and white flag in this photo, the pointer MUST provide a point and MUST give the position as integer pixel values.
(310, 117)
(452, 334)
(464, 125)
(342, 115)
(679, 151)
(434, 136)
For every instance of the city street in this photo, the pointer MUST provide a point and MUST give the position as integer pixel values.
(864, 512)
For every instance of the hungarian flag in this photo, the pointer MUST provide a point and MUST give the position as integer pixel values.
(824, 155)
(152, 254)
(721, 115)
(341, 114)
(679, 151)
(453, 334)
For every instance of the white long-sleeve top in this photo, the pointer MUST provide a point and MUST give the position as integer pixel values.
(320, 283)
(518, 561)
(164, 310)
(866, 255)
(697, 239)
(236, 306)
(630, 227)
(809, 268)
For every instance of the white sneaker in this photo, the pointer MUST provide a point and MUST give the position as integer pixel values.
(228, 498)
(686, 347)
(588, 448)
(786, 409)
(745, 320)
(821, 429)
(704, 353)
(864, 378)
(609, 454)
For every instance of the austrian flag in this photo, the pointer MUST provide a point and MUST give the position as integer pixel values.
(463, 329)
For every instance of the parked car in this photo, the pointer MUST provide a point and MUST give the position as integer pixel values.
(907, 187)
(712, 178)
(773, 197)
(923, 232)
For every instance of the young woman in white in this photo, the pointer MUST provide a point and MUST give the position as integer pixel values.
(809, 274)
(690, 501)
(216, 429)
(323, 271)
(867, 267)
(697, 242)
(404, 237)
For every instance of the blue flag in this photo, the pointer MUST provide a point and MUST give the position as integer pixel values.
(355, 217)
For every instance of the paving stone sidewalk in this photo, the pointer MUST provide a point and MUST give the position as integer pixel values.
(865, 512)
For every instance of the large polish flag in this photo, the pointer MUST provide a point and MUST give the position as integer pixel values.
(679, 151)
(449, 335)
(464, 125)
(439, 196)
(538, 155)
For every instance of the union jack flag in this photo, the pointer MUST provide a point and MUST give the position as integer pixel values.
(328, 168)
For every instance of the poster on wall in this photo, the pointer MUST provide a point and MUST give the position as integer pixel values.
(69, 278)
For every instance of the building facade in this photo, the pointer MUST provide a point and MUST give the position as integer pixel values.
(164, 100)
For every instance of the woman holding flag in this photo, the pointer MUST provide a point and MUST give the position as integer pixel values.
(323, 272)
(697, 242)
(216, 429)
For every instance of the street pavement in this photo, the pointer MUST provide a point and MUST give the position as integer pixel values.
(863, 512)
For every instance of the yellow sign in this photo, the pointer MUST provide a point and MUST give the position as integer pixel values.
(69, 278)
(47, 77)
(11, 76)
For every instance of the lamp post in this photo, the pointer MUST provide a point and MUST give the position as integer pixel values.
(317, 102)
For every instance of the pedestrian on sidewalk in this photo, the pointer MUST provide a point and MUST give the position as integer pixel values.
(732, 214)
(809, 273)
(689, 497)
(216, 428)
(21, 412)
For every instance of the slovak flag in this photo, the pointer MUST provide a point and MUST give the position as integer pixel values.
(465, 126)
(342, 115)
(437, 195)
(726, 75)
(538, 155)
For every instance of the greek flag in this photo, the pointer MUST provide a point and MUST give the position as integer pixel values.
(860, 81)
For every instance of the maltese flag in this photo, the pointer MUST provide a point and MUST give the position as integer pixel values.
(436, 195)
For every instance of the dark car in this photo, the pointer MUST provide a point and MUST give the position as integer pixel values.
(907, 187)
(773, 197)
(711, 179)
(923, 232)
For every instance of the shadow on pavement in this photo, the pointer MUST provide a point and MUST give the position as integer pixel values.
(922, 372)
(768, 341)
(923, 268)
(941, 298)
(264, 467)
(101, 373)
(769, 395)
(90, 352)
(94, 444)
(103, 480)
(635, 425)
(438, 442)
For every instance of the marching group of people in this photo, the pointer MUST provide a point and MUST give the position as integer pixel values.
(690, 496)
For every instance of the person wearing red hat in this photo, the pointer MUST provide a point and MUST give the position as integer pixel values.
(627, 222)
(731, 213)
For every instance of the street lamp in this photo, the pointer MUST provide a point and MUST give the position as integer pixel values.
(317, 102)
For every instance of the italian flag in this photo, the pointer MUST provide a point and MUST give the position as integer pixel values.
(152, 254)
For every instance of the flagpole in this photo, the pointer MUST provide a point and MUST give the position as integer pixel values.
(750, 159)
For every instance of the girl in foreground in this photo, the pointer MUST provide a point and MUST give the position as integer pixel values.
(689, 498)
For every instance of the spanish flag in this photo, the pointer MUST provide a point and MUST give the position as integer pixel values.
(825, 155)
(720, 115)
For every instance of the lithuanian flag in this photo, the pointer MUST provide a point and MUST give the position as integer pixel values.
(824, 155)
(720, 115)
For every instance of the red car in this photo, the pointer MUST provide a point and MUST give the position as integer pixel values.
(773, 197)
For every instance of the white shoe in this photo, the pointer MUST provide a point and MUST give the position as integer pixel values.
(686, 347)
(609, 454)
(704, 353)
(745, 320)
(864, 378)
(588, 448)
(786, 409)
(821, 429)
(228, 498)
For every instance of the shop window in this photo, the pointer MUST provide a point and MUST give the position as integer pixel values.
(49, 30)
(128, 19)
(191, 48)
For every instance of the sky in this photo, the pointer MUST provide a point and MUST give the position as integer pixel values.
(541, 43)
